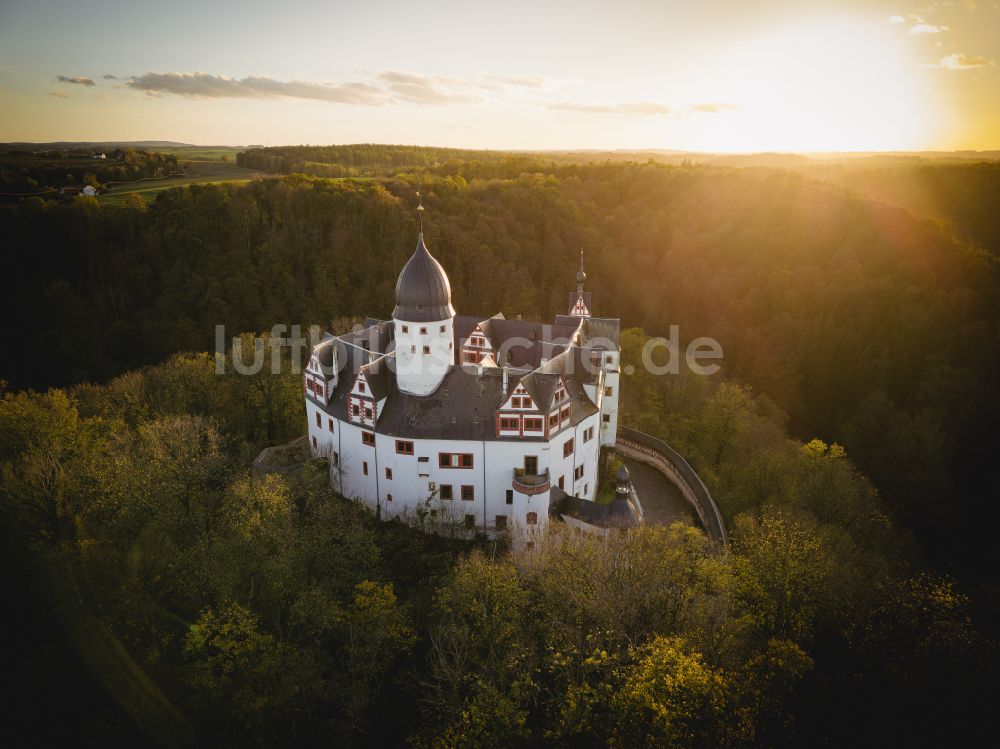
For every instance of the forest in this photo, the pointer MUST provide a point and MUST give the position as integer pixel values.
(848, 441)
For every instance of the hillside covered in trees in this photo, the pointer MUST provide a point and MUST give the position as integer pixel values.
(269, 611)
(835, 618)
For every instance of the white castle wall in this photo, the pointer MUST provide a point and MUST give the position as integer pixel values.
(490, 475)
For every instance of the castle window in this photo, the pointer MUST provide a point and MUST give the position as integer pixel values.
(314, 443)
(446, 492)
(568, 448)
(562, 482)
(588, 434)
(553, 420)
(406, 328)
(608, 392)
(413, 349)
(501, 522)
(531, 518)
(510, 423)
(336, 458)
(578, 473)
(319, 420)
(404, 447)
(330, 424)
(532, 425)
(388, 497)
(455, 460)
(565, 414)
(368, 438)
(355, 409)
(361, 387)
(443, 328)
(586, 489)
(468, 492)
(470, 521)
(423, 331)
(388, 473)
(606, 418)
(368, 413)
(510, 496)
(364, 467)
(427, 349)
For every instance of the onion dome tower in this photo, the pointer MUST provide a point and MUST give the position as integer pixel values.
(422, 321)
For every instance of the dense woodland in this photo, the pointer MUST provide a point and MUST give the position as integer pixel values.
(848, 609)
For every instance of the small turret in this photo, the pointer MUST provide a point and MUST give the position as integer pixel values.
(579, 303)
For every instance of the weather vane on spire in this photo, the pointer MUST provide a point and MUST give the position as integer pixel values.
(420, 211)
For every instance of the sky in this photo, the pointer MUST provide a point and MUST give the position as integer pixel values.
(698, 75)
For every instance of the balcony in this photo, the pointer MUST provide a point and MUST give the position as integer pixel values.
(531, 483)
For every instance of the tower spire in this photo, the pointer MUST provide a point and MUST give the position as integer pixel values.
(580, 275)
(420, 214)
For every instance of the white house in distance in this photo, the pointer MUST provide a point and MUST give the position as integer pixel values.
(495, 423)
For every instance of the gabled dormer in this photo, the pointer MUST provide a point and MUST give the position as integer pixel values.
(520, 400)
(518, 416)
(320, 376)
(477, 346)
(361, 406)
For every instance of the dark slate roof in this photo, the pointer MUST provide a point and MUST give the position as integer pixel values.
(462, 327)
(573, 362)
(462, 408)
(616, 514)
(528, 343)
(464, 405)
(607, 328)
(541, 388)
(377, 376)
(423, 293)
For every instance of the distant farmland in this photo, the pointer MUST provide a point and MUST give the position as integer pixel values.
(197, 171)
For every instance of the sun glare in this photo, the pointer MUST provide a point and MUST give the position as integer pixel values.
(821, 86)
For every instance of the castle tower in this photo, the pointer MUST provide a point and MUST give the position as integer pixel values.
(422, 321)
(579, 303)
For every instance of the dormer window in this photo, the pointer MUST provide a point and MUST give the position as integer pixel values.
(361, 387)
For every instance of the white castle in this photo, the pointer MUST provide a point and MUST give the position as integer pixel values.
(495, 423)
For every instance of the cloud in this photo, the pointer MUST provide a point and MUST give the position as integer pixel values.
(208, 86)
(59, 94)
(109, 77)
(897, 19)
(959, 61)
(714, 108)
(423, 89)
(522, 81)
(79, 80)
(637, 107)
(927, 28)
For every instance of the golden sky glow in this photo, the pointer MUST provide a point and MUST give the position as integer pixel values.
(689, 75)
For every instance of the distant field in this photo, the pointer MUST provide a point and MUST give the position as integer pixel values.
(203, 154)
(198, 172)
